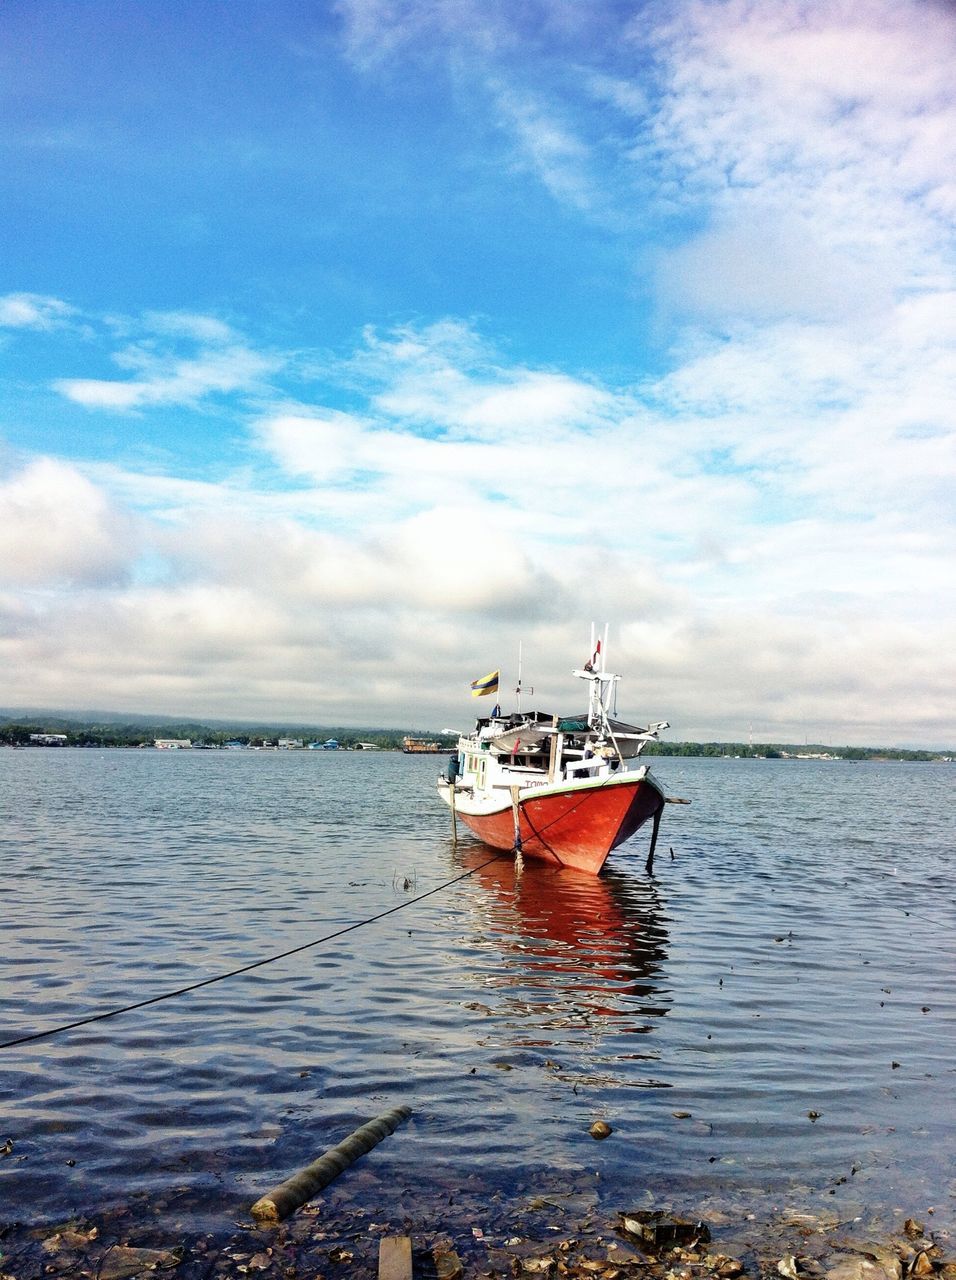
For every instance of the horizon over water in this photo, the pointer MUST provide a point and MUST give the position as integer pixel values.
(784, 985)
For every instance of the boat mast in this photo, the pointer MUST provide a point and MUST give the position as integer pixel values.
(602, 683)
(607, 687)
(518, 690)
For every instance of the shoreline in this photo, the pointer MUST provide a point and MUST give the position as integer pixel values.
(524, 1236)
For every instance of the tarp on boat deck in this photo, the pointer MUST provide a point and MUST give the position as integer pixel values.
(525, 737)
(579, 724)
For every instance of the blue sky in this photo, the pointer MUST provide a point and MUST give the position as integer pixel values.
(343, 346)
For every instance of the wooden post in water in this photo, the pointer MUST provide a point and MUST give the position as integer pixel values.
(515, 813)
(654, 831)
(302, 1186)
(395, 1258)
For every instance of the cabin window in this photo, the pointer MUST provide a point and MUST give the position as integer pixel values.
(482, 769)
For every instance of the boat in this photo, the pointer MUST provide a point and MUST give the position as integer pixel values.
(422, 747)
(566, 789)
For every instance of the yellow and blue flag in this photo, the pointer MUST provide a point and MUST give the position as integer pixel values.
(487, 684)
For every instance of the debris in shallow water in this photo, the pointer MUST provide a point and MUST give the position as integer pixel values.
(726, 1268)
(600, 1130)
(681, 1115)
(886, 1257)
(663, 1230)
(447, 1264)
(122, 1262)
(913, 1228)
(814, 1115)
(861, 1268)
(536, 1266)
(517, 1240)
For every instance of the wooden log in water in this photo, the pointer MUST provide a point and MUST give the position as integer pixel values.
(302, 1186)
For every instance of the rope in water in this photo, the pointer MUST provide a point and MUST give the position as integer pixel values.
(246, 968)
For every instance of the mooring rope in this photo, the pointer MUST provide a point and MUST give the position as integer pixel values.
(246, 968)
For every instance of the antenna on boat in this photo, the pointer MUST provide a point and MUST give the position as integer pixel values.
(602, 683)
(518, 690)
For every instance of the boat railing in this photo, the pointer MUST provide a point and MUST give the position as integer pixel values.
(591, 765)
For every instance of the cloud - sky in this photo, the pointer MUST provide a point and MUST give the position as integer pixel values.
(341, 349)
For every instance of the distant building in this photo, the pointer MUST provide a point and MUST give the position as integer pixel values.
(366, 746)
(290, 744)
(172, 744)
(48, 739)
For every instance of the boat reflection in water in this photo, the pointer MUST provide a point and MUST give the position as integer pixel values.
(581, 953)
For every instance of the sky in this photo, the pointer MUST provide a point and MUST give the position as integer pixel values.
(344, 347)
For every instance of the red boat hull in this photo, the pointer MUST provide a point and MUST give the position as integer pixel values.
(575, 828)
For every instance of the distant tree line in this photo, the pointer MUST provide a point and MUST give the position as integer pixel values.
(17, 733)
(788, 751)
(140, 733)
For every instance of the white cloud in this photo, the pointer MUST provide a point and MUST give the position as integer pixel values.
(99, 393)
(766, 267)
(204, 329)
(284, 624)
(324, 447)
(546, 144)
(822, 142)
(724, 520)
(57, 528)
(33, 311)
(378, 30)
(442, 379)
(219, 364)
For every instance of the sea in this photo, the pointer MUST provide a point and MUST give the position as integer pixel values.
(767, 1023)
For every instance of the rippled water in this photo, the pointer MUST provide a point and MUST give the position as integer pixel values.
(796, 955)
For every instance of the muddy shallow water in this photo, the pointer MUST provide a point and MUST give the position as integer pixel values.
(767, 1024)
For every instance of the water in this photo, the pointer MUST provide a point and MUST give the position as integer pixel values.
(797, 948)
